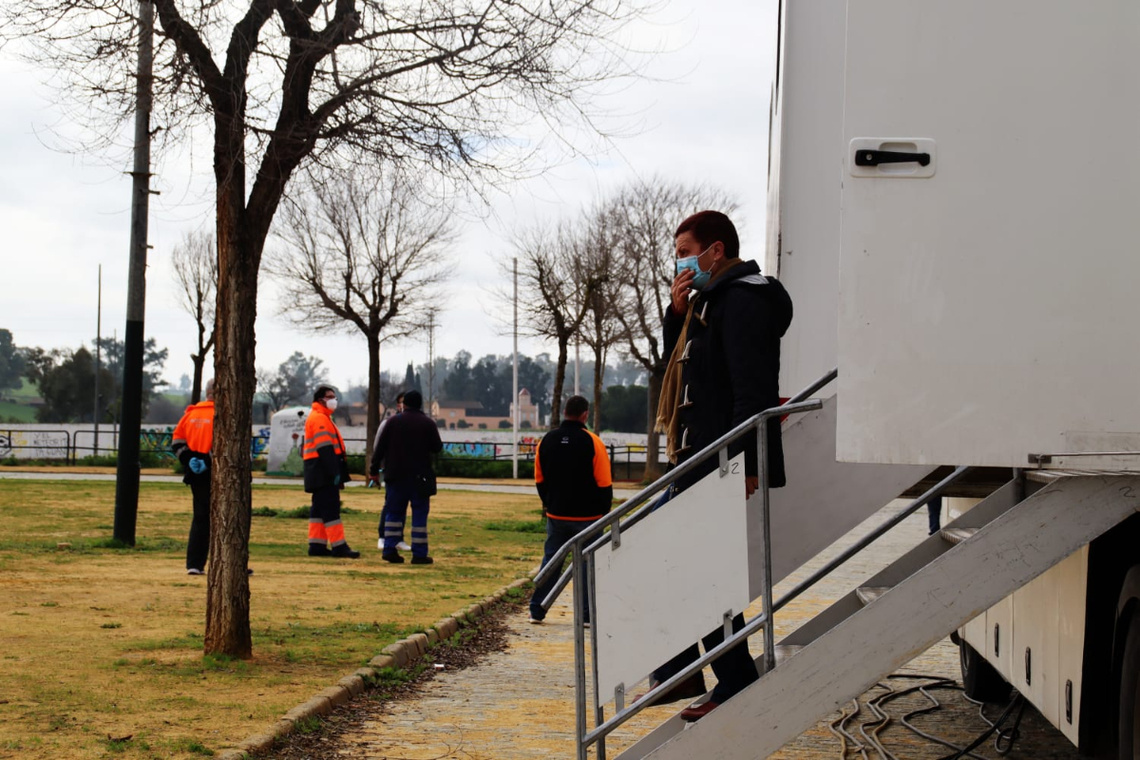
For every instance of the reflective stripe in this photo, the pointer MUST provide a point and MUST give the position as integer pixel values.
(336, 532)
(573, 519)
(317, 531)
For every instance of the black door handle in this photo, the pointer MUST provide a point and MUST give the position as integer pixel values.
(864, 157)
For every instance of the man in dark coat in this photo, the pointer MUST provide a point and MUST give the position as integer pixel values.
(404, 448)
(723, 327)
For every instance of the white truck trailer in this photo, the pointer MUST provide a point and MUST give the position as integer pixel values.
(954, 207)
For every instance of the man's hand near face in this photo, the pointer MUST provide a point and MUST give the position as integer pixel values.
(679, 292)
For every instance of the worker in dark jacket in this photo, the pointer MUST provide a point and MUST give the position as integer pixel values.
(193, 437)
(723, 328)
(326, 472)
(572, 473)
(404, 450)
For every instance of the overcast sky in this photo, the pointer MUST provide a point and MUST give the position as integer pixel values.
(701, 114)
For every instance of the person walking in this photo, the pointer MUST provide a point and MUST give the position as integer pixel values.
(326, 472)
(723, 329)
(405, 447)
(572, 475)
(193, 437)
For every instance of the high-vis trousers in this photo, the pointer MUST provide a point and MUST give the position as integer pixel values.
(325, 527)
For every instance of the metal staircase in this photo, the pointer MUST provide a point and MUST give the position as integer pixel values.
(998, 546)
(645, 609)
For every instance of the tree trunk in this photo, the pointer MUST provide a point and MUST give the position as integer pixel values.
(559, 379)
(373, 402)
(196, 390)
(227, 595)
(599, 378)
(653, 468)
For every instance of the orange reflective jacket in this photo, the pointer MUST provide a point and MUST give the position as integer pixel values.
(195, 430)
(321, 431)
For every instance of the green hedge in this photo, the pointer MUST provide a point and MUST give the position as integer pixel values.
(463, 467)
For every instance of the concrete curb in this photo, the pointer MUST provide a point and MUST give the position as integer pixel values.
(398, 656)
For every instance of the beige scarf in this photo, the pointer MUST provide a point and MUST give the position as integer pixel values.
(668, 421)
(668, 404)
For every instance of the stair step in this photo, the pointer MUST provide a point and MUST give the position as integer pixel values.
(957, 535)
(868, 594)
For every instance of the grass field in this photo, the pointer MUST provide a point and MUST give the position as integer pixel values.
(103, 647)
(12, 411)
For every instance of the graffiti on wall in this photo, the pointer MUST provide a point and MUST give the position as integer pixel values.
(34, 444)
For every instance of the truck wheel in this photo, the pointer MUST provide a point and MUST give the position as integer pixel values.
(1128, 747)
(980, 681)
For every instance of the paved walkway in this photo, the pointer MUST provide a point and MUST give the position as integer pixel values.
(519, 704)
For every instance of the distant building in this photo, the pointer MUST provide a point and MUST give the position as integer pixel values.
(456, 415)
(528, 411)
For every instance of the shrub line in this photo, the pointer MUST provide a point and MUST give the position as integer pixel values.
(398, 656)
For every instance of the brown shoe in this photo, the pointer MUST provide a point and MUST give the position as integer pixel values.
(696, 712)
(691, 688)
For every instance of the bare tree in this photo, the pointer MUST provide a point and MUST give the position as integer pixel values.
(364, 252)
(602, 328)
(278, 83)
(647, 214)
(195, 263)
(555, 291)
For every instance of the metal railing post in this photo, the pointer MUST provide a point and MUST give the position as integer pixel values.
(766, 529)
(579, 653)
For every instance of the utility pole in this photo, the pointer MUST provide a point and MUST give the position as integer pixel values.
(127, 474)
(515, 382)
(431, 358)
(98, 357)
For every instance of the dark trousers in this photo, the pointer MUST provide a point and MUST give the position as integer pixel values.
(558, 532)
(400, 493)
(734, 669)
(934, 514)
(198, 547)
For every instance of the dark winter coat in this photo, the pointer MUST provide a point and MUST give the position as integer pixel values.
(733, 365)
(572, 474)
(405, 446)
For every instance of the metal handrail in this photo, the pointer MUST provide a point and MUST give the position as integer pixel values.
(667, 479)
(596, 530)
(598, 527)
(760, 620)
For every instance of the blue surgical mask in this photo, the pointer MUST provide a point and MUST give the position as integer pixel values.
(701, 277)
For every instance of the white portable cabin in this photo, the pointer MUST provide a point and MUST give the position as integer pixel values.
(954, 209)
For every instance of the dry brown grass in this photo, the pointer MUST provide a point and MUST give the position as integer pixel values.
(104, 643)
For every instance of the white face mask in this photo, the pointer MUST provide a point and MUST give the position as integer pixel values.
(330, 404)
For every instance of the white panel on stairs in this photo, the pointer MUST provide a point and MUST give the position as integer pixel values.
(671, 580)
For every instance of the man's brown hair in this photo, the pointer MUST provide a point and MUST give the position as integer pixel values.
(710, 226)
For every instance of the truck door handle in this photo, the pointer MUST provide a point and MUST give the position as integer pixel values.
(865, 157)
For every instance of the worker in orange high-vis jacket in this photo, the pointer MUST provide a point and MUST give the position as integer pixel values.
(193, 437)
(326, 472)
(572, 473)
